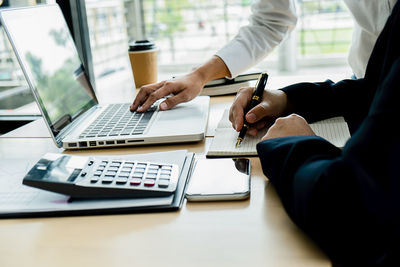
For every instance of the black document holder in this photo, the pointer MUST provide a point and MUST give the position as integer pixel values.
(23, 201)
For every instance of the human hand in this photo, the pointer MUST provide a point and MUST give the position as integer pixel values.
(291, 125)
(274, 104)
(183, 89)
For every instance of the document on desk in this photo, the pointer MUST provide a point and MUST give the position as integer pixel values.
(18, 200)
(335, 130)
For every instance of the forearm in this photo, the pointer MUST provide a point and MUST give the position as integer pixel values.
(316, 101)
(214, 68)
(323, 194)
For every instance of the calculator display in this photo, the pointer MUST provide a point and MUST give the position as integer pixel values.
(60, 168)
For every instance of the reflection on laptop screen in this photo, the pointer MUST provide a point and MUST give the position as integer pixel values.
(48, 55)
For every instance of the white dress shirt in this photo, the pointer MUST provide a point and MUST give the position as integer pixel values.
(271, 20)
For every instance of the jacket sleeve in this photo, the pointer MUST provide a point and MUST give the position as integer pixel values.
(347, 200)
(322, 194)
(316, 101)
(271, 20)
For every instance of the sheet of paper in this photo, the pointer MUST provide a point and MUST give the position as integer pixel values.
(334, 130)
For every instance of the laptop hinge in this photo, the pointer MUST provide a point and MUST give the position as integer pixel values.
(72, 126)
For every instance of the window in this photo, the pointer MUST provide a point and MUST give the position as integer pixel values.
(17, 105)
(187, 32)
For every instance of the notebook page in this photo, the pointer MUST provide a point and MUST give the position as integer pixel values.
(224, 144)
(334, 130)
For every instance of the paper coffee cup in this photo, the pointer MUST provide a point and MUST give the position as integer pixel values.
(143, 57)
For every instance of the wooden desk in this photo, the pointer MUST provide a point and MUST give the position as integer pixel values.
(255, 232)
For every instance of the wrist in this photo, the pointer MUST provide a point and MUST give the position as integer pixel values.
(213, 69)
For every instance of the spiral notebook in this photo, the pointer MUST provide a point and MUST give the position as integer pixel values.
(335, 130)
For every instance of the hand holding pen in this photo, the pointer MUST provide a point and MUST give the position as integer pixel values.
(255, 100)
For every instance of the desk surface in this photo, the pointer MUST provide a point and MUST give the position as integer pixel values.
(255, 232)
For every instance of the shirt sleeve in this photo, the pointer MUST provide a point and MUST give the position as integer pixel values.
(271, 20)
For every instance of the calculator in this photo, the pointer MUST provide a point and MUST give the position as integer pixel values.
(95, 178)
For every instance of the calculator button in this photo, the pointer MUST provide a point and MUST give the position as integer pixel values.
(121, 180)
(136, 181)
(113, 169)
(141, 165)
(151, 176)
(107, 180)
(123, 174)
(137, 175)
(110, 173)
(126, 169)
(165, 171)
(139, 169)
(152, 171)
(115, 165)
(149, 182)
(163, 183)
(165, 176)
(166, 167)
(94, 180)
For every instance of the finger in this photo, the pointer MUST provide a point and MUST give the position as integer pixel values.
(166, 89)
(236, 112)
(252, 131)
(143, 93)
(172, 101)
(258, 112)
(260, 125)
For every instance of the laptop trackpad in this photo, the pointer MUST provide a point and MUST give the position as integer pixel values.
(183, 119)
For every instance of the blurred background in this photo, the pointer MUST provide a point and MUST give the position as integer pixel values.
(187, 32)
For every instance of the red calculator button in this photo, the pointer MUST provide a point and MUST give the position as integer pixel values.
(149, 182)
(136, 181)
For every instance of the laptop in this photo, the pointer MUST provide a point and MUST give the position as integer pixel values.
(48, 57)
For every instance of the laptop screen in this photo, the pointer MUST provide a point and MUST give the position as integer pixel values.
(48, 57)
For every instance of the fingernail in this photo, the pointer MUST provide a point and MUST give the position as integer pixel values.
(251, 117)
(163, 106)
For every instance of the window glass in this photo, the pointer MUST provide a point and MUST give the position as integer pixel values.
(16, 98)
(188, 32)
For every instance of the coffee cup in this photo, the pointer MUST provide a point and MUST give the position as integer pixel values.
(143, 58)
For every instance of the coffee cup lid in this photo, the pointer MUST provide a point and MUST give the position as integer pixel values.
(141, 45)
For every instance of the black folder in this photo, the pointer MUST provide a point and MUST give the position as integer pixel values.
(18, 200)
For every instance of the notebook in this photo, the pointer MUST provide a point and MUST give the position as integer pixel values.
(48, 57)
(335, 130)
(224, 89)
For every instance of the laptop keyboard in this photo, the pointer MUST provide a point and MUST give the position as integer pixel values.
(118, 120)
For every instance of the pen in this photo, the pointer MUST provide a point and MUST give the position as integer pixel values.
(255, 100)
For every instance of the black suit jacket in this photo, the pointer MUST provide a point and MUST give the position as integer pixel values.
(347, 200)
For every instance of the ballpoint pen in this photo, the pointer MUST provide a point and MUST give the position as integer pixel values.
(255, 100)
